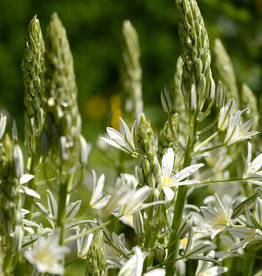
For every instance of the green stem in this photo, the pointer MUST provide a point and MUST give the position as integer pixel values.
(249, 263)
(173, 246)
(62, 210)
(209, 149)
(28, 204)
(206, 141)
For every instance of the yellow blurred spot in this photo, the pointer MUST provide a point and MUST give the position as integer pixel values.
(96, 107)
(115, 102)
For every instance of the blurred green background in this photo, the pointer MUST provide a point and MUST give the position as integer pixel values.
(94, 31)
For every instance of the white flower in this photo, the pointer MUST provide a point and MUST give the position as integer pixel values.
(252, 169)
(123, 140)
(248, 235)
(46, 255)
(238, 131)
(168, 179)
(195, 251)
(205, 268)
(128, 199)
(24, 189)
(218, 218)
(224, 114)
(83, 243)
(98, 199)
(156, 272)
(134, 265)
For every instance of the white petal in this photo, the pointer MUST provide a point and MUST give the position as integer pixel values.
(116, 145)
(156, 272)
(187, 171)
(30, 192)
(168, 162)
(114, 134)
(97, 189)
(257, 162)
(216, 270)
(123, 127)
(26, 178)
(168, 192)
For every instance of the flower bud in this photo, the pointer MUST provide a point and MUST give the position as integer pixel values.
(166, 100)
(193, 97)
(14, 131)
(138, 223)
(160, 253)
(18, 161)
(84, 150)
(220, 95)
(63, 148)
(185, 227)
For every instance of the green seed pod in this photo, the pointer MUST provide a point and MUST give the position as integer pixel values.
(34, 82)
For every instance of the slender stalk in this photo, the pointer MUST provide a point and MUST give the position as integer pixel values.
(180, 203)
(206, 141)
(89, 231)
(209, 149)
(249, 263)
(62, 210)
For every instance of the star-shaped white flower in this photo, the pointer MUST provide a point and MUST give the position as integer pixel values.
(134, 266)
(98, 199)
(128, 199)
(248, 236)
(219, 217)
(169, 180)
(238, 131)
(205, 268)
(252, 169)
(46, 255)
(224, 114)
(123, 140)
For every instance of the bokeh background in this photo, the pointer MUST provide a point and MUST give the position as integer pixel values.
(94, 31)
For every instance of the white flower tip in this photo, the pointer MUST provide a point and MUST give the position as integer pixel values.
(26, 178)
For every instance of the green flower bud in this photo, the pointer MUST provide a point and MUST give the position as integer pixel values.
(138, 223)
(160, 253)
